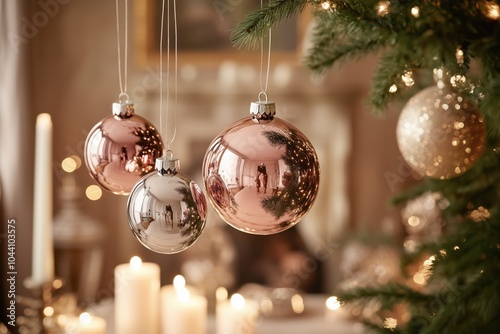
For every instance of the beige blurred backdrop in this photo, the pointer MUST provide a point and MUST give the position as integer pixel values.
(70, 70)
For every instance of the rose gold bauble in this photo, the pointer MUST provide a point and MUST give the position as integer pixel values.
(166, 210)
(261, 174)
(440, 134)
(121, 149)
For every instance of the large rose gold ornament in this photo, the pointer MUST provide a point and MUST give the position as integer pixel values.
(166, 210)
(440, 134)
(121, 149)
(261, 174)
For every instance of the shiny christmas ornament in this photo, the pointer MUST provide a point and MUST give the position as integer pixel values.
(261, 174)
(121, 149)
(166, 210)
(440, 134)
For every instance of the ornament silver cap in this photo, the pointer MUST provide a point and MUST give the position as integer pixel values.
(262, 111)
(123, 110)
(167, 166)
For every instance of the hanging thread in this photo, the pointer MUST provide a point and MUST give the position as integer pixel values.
(175, 74)
(123, 84)
(263, 88)
(168, 71)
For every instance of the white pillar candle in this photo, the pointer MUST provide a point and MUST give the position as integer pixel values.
(137, 290)
(42, 270)
(236, 316)
(183, 311)
(85, 324)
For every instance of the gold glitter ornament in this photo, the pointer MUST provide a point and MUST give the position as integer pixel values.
(440, 134)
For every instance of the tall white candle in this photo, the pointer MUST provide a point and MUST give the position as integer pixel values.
(42, 270)
(137, 290)
(236, 316)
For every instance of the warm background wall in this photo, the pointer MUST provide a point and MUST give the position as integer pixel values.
(73, 76)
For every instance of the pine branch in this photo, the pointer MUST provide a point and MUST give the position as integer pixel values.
(391, 67)
(457, 308)
(257, 24)
(391, 293)
(321, 58)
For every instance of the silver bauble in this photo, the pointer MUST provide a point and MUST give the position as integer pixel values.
(166, 210)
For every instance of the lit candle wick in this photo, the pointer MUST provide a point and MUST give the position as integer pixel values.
(179, 282)
(237, 301)
(85, 318)
(135, 263)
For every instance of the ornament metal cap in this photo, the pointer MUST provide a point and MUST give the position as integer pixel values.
(167, 166)
(123, 109)
(262, 111)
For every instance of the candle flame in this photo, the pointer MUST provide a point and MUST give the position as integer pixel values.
(179, 282)
(221, 293)
(332, 303)
(44, 118)
(85, 318)
(135, 263)
(237, 301)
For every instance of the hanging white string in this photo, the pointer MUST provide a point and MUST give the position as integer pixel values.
(263, 88)
(168, 71)
(175, 74)
(123, 84)
(161, 67)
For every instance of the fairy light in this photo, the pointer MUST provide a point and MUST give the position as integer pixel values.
(68, 165)
(413, 220)
(93, 192)
(410, 245)
(383, 8)
(48, 311)
(480, 214)
(390, 323)
(459, 55)
(297, 303)
(326, 5)
(458, 80)
(407, 78)
(428, 263)
(415, 11)
(393, 89)
(419, 278)
(492, 10)
(332, 303)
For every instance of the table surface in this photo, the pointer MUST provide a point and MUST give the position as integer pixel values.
(311, 321)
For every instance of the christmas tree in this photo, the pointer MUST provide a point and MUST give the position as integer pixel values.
(460, 41)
